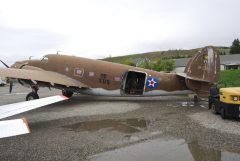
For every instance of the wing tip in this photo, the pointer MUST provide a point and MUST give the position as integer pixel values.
(26, 123)
(64, 97)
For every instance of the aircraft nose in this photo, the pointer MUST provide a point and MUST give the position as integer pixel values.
(19, 64)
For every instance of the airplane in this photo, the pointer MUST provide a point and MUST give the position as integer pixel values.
(96, 77)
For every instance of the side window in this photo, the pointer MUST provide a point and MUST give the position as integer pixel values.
(78, 72)
(44, 59)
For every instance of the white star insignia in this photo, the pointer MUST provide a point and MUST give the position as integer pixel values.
(151, 82)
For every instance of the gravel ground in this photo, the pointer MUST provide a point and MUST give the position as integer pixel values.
(90, 128)
(213, 121)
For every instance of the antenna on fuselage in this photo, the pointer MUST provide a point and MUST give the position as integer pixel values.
(58, 52)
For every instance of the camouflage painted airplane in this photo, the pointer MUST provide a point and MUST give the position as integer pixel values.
(95, 77)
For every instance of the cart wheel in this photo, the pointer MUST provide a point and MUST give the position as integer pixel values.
(213, 108)
(223, 113)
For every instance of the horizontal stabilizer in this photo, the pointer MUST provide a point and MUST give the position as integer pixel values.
(16, 108)
(13, 127)
(184, 75)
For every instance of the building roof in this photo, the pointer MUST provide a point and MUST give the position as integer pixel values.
(182, 62)
(224, 60)
(230, 59)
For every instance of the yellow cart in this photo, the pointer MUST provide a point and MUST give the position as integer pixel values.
(225, 101)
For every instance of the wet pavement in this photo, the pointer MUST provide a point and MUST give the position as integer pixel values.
(102, 129)
(166, 150)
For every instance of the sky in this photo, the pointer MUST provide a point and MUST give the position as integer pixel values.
(102, 28)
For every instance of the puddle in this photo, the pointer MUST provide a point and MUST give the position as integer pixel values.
(164, 150)
(124, 126)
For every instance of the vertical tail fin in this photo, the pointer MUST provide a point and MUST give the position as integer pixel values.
(203, 70)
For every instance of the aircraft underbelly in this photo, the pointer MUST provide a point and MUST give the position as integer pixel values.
(101, 92)
(118, 93)
(166, 93)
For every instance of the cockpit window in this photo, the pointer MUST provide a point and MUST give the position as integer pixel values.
(44, 59)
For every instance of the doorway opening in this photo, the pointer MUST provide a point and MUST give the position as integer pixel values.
(134, 83)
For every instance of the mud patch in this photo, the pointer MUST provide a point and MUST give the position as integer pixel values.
(125, 126)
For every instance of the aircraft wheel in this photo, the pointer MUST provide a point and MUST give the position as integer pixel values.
(32, 96)
(67, 93)
(223, 113)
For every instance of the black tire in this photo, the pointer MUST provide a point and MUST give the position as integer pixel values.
(213, 108)
(32, 96)
(67, 93)
(223, 113)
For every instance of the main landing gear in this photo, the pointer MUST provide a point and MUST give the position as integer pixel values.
(196, 99)
(33, 95)
(67, 93)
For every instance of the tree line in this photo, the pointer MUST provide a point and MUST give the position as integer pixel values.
(235, 48)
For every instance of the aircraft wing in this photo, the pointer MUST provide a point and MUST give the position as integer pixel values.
(13, 127)
(19, 126)
(41, 75)
(16, 108)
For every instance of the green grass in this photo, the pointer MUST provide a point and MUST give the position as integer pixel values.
(229, 78)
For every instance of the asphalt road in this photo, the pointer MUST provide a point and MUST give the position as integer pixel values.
(121, 129)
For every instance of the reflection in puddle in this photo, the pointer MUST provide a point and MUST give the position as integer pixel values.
(203, 154)
(160, 149)
(124, 126)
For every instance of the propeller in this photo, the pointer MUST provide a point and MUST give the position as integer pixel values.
(4, 64)
(10, 80)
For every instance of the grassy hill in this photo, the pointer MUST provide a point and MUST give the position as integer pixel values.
(170, 54)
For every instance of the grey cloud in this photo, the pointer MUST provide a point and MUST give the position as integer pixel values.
(21, 43)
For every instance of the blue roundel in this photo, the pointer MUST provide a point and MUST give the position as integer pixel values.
(152, 82)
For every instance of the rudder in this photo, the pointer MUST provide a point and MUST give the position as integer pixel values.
(203, 70)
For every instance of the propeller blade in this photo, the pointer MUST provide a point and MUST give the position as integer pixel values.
(4, 64)
(11, 86)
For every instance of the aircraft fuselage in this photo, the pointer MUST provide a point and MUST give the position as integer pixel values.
(112, 79)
